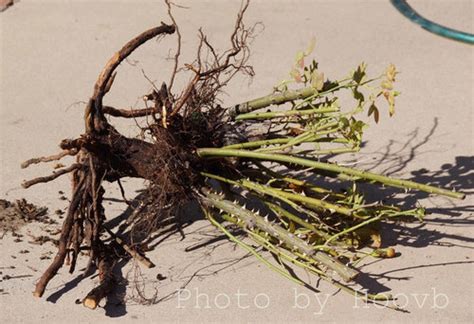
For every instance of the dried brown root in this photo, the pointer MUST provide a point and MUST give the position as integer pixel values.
(106, 263)
(50, 158)
(63, 242)
(134, 254)
(94, 117)
(161, 98)
(104, 154)
(56, 174)
(125, 113)
(210, 77)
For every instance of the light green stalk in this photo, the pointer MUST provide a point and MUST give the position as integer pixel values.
(218, 152)
(275, 230)
(288, 113)
(283, 141)
(281, 253)
(266, 190)
(279, 98)
(250, 249)
(369, 221)
(283, 212)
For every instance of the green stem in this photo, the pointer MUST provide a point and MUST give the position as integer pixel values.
(250, 249)
(334, 151)
(353, 228)
(218, 152)
(283, 212)
(326, 126)
(288, 113)
(308, 93)
(283, 194)
(313, 270)
(282, 141)
(297, 182)
(282, 254)
(309, 201)
(302, 138)
(367, 222)
(279, 98)
(259, 143)
(280, 233)
(308, 137)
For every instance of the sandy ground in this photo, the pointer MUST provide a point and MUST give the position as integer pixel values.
(51, 53)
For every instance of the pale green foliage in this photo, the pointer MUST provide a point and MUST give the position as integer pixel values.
(323, 231)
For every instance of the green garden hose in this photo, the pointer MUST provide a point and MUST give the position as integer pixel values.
(430, 26)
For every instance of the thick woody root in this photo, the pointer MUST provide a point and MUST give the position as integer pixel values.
(105, 157)
(110, 156)
(82, 224)
(105, 264)
(63, 242)
(104, 154)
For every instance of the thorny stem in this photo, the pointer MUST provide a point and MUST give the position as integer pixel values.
(280, 233)
(216, 152)
(289, 113)
(282, 194)
(249, 248)
(275, 99)
(298, 220)
(281, 253)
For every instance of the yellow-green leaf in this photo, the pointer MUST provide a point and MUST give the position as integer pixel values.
(295, 74)
(299, 60)
(317, 80)
(376, 240)
(391, 72)
(391, 102)
(310, 47)
(387, 84)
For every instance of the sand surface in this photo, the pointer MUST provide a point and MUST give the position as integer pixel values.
(51, 53)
